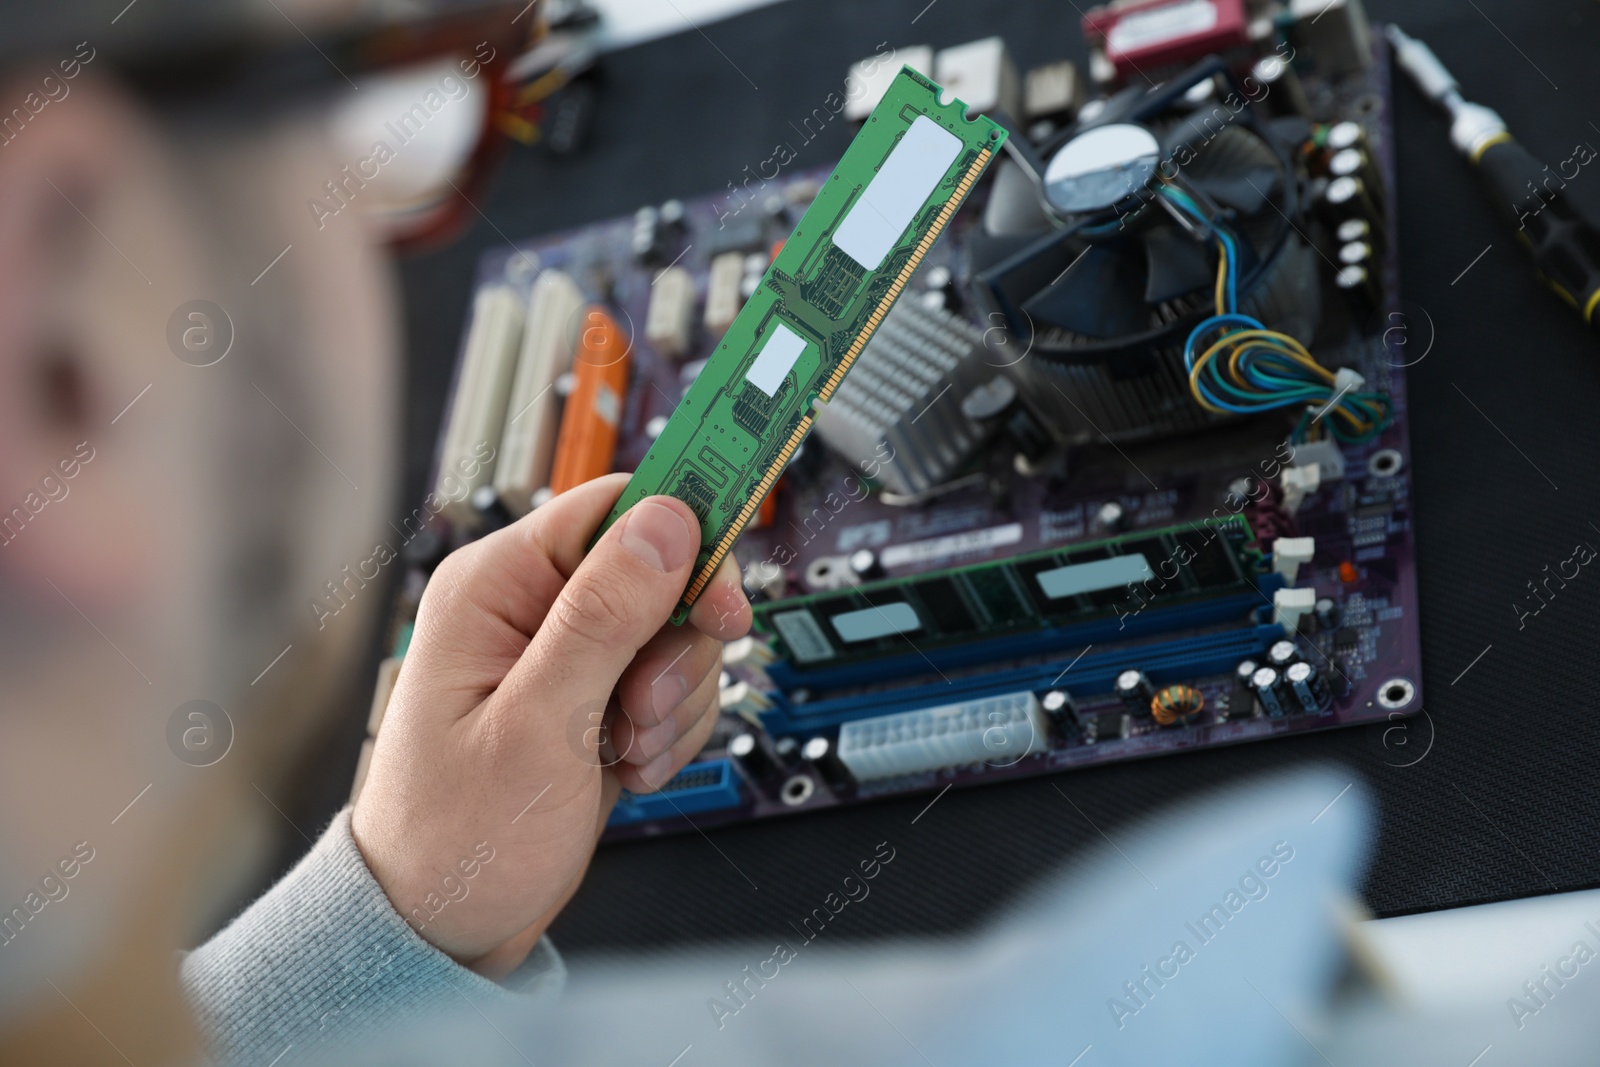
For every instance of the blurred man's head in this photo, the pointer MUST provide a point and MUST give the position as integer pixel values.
(197, 390)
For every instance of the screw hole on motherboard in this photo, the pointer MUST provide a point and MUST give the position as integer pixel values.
(798, 790)
(1385, 463)
(1396, 693)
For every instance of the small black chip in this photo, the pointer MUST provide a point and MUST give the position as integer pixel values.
(1108, 726)
(1346, 639)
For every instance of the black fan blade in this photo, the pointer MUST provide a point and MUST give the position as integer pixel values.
(985, 250)
(1014, 206)
(1175, 264)
(1101, 295)
(1245, 191)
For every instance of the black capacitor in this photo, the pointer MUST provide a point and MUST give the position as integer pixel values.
(1356, 253)
(1359, 287)
(996, 403)
(1062, 710)
(820, 753)
(863, 563)
(492, 514)
(1326, 613)
(1245, 671)
(788, 751)
(1342, 135)
(1135, 691)
(752, 755)
(1347, 195)
(1354, 230)
(1266, 683)
(646, 241)
(1354, 163)
(1309, 688)
(1281, 654)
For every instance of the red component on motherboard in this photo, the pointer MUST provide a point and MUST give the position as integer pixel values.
(1139, 39)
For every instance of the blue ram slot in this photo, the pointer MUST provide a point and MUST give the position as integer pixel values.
(1018, 646)
(711, 785)
(1165, 662)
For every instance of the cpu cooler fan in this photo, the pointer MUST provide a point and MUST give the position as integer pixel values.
(1101, 279)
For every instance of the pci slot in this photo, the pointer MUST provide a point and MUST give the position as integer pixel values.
(478, 409)
(1164, 662)
(710, 785)
(528, 442)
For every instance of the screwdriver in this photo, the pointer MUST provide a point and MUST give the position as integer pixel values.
(1565, 245)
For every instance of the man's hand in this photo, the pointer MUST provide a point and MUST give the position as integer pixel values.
(539, 682)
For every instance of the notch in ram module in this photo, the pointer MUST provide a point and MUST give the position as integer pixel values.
(847, 262)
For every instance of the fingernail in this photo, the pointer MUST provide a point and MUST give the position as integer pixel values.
(656, 773)
(666, 693)
(659, 536)
(655, 740)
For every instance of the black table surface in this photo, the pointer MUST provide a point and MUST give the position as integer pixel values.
(1504, 433)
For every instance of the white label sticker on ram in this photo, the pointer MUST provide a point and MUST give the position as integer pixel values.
(902, 185)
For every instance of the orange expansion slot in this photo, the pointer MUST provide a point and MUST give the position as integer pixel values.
(587, 444)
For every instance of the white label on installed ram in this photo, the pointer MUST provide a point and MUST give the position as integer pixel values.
(897, 192)
(804, 638)
(776, 359)
(1092, 577)
(939, 548)
(868, 624)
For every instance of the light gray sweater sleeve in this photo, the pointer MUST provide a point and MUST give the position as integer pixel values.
(322, 959)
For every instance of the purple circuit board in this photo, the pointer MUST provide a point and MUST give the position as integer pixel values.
(1361, 522)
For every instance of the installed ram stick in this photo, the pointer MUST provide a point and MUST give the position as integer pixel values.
(838, 275)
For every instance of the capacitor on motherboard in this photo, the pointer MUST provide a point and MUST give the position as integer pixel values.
(1133, 688)
(1360, 288)
(646, 242)
(1347, 134)
(996, 403)
(1346, 196)
(1354, 230)
(1354, 163)
(1059, 705)
(1327, 613)
(753, 756)
(764, 579)
(1284, 94)
(819, 752)
(491, 513)
(1112, 516)
(1356, 254)
(864, 565)
(787, 750)
(1281, 654)
(1309, 688)
(1245, 671)
(1265, 683)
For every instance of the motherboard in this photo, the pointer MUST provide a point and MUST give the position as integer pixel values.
(1118, 469)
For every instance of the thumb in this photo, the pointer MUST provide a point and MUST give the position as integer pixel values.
(615, 601)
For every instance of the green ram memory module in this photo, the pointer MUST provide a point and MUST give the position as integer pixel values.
(838, 275)
(1118, 577)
